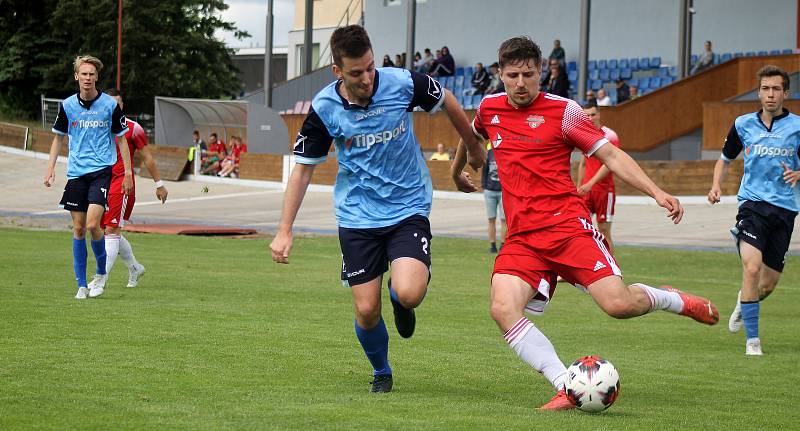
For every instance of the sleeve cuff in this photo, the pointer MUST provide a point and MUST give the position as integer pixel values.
(122, 133)
(58, 132)
(725, 158)
(596, 146)
(309, 160)
(438, 104)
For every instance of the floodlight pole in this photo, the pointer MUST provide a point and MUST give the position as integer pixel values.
(268, 57)
(685, 38)
(119, 44)
(308, 42)
(411, 21)
(583, 49)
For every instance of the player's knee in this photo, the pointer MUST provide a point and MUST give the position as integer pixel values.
(501, 310)
(79, 231)
(751, 268)
(368, 312)
(619, 308)
(411, 298)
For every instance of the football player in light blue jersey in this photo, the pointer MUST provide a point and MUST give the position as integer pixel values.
(382, 195)
(91, 119)
(770, 139)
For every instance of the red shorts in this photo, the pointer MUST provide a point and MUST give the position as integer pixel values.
(119, 210)
(600, 202)
(573, 249)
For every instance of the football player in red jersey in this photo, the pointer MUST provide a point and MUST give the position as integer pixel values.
(595, 184)
(549, 228)
(120, 206)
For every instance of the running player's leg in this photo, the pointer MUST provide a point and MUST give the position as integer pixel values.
(408, 249)
(99, 185)
(79, 253)
(112, 220)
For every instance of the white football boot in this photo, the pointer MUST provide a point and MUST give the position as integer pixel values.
(97, 285)
(83, 292)
(735, 322)
(753, 347)
(134, 274)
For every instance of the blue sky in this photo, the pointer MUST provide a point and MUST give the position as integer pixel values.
(251, 15)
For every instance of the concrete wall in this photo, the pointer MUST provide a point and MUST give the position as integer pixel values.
(473, 29)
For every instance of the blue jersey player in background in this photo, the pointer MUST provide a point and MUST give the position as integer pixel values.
(770, 139)
(383, 191)
(91, 119)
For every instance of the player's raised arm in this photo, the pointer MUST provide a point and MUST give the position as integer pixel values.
(620, 163)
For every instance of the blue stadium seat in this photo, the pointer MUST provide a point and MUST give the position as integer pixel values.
(626, 73)
(655, 82)
(468, 71)
(634, 64)
(458, 89)
(597, 84)
(644, 63)
(476, 100)
(715, 58)
(604, 75)
(460, 98)
(572, 66)
(764, 52)
(787, 51)
(460, 80)
(459, 71)
(602, 64)
(591, 65)
(466, 102)
(634, 81)
(594, 74)
(573, 84)
(673, 71)
(623, 63)
(725, 57)
(667, 80)
(694, 58)
(644, 82)
(738, 54)
(750, 54)
(612, 64)
(447, 81)
(663, 71)
(613, 96)
(572, 75)
(614, 74)
(775, 52)
(655, 62)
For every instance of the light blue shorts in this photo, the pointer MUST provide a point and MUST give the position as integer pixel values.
(493, 201)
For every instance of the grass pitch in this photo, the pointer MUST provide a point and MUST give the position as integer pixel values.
(218, 337)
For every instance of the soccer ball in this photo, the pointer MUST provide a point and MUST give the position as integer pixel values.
(592, 384)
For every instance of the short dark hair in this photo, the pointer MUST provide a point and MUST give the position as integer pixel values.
(350, 41)
(770, 70)
(214, 134)
(519, 49)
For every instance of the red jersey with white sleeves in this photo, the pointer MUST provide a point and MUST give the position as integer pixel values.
(593, 165)
(532, 146)
(137, 139)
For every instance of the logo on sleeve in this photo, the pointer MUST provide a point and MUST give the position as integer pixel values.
(434, 88)
(300, 144)
(497, 141)
(535, 121)
(495, 120)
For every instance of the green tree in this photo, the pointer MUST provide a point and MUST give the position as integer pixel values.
(168, 49)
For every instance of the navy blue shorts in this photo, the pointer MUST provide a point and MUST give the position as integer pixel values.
(767, 228)
(88, 189)
(366, 253)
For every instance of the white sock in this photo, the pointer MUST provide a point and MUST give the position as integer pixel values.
(126, 252)
(112, 250)
(536, 350)
(661, 299)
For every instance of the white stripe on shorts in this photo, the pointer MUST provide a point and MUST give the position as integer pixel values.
(122, 212)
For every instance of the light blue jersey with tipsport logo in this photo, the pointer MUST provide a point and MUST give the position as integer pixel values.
(92, 126)
(765, 148)
(382, 176)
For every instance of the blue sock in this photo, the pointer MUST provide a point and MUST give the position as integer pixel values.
(750, 312)
(375, 343)
(79, 260)
(99, 249)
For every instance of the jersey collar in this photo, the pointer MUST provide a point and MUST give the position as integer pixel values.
(783, 115)
(346, 103)
(88, 103)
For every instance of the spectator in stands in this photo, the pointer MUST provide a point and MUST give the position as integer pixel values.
(591, 97)
(444, 65)
(602, 98)
(441, 153)
(398, 61)
(427, 61)
(387, 61)
(558, 53)
(418, 63)
(705, 61)
(197, 141)
(216, 152)
(634, 93)
(623, 91)
(546, 73)
(480, 81)
(495, 83)
(558, 83)
(492, 196)
(230, 166)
